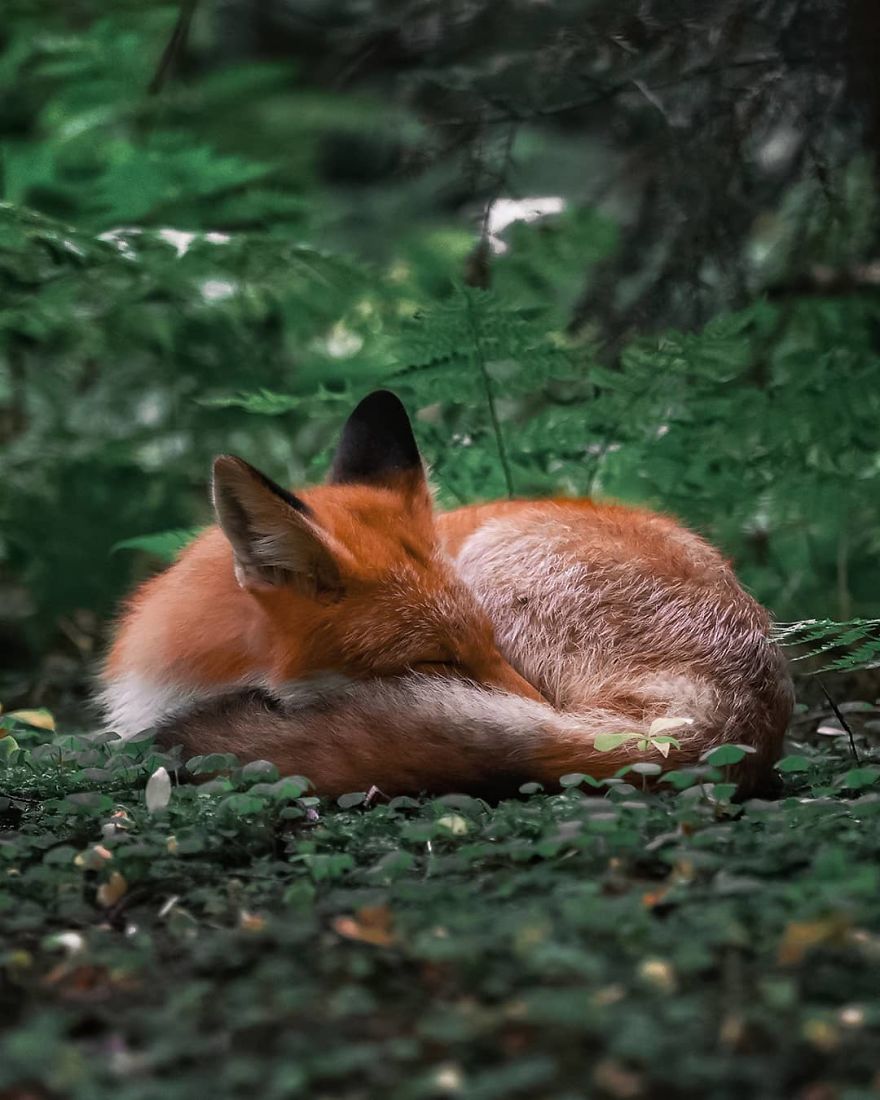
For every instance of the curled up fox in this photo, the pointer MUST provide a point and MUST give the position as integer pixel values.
(352, 634)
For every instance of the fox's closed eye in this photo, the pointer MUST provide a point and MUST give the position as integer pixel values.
(436, 664)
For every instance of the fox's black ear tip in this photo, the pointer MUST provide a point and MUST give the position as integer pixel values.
(384, 415)
(377, 442)
(380, 403)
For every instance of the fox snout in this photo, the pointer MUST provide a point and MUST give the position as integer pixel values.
(503, 676)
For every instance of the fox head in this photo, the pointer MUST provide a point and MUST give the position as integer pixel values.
(350, 575)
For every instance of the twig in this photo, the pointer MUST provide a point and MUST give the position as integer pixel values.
(552, 110)
(480, 360)
(173, 47)
(22, 798)
(842, 720)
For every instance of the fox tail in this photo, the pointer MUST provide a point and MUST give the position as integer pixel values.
(424, 733)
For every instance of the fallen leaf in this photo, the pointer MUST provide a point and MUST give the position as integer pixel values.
(39, 719)
(658, 973)
(800, 937)
(654, 897)
(110, 892)
(94, 858)
(372, 924)
(251, 922)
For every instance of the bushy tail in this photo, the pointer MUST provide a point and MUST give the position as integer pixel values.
(422, 733)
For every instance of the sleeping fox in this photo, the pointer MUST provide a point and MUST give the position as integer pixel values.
(351, 634)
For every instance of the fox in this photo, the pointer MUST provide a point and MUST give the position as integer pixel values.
(353, 634)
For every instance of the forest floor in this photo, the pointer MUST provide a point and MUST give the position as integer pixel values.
(245, 937)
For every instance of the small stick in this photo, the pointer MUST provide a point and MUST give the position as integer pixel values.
(173, 47)
(842, 720)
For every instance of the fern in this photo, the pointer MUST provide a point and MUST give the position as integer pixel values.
(859, 638)
(268, 403)
(492, 366)
(758, 430)
(165, 545)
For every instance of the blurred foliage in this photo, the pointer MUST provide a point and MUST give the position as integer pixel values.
(221, 224)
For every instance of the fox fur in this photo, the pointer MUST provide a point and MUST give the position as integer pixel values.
(350, 634)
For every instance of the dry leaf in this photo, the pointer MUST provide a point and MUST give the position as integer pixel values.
(654, 897)
(455, 823)
(39, 719)
(112, 890)
(658, 973)
(372, 924)
(802, 936)
(251, 922)
(94, 858)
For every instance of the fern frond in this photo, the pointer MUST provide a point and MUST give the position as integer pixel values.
(268, 403)
(858, 638)
(165, 545)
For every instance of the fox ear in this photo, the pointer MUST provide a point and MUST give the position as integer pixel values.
(377, 446)
(274, 535)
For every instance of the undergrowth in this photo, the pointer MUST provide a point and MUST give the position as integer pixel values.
(612, 943)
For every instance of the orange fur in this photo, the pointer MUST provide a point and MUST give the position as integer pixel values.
(403, 607)
(351, 635)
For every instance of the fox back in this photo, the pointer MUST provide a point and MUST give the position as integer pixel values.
(627, 620)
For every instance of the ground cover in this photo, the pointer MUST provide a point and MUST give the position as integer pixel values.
(238, 935)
